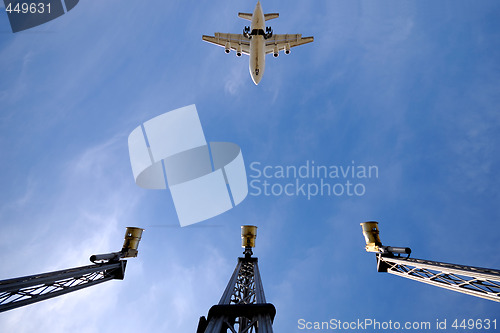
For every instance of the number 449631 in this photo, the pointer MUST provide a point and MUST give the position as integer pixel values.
(478, 324)
(31, 8)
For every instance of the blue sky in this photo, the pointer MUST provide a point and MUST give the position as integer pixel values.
(408, 86)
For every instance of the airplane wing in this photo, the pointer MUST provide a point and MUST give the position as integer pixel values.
(285, 42)
(236, 42)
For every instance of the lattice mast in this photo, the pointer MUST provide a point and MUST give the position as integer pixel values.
(242, 307)
(26, 290)
(475, 281)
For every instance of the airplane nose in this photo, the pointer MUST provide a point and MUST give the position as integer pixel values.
(256, 78)
(256, 75)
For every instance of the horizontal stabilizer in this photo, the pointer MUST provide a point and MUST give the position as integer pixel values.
(271, 16)
(246, 16)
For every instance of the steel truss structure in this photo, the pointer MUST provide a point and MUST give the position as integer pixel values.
(22, 291)
(475, 281)
(242, 307)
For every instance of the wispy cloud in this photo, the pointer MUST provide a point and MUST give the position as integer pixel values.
(86, 213)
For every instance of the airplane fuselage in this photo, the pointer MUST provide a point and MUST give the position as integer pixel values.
(257, 40)
(257, 62)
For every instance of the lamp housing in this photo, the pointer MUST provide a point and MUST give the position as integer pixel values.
(248, 236)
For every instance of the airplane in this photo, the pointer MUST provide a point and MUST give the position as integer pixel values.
(256, 42)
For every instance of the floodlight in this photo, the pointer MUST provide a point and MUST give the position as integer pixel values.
(248, 235)
(131, 243)
(373, 243)
(371, 233)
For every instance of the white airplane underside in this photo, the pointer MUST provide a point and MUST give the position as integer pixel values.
(257, 41)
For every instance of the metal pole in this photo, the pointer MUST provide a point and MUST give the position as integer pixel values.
(35, 288)
(26, 290)
(242, 307)
(470, 280)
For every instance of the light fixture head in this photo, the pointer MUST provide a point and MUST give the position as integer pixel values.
(372, 238)
(248, 235)
(131, 243)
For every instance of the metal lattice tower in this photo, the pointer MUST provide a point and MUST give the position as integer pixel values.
(26, 290)
(475, 281)
(242, 307)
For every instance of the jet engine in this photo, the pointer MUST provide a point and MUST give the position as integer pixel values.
(228, 47)
(287, 48)
(276, 51)
(238, 50)
(246, 32)
(269, 33)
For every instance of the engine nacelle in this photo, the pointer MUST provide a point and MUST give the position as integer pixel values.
(276, 51)
(287, 48)
(269, 33)
(228, 47)
(246, 32)
(238, 50)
